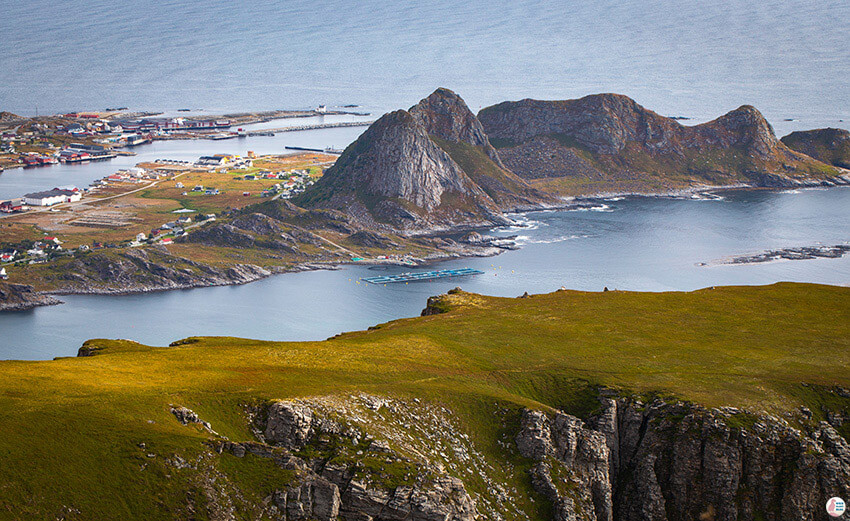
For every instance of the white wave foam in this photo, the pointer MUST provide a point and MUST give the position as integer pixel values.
(525, 239)
(594, 208)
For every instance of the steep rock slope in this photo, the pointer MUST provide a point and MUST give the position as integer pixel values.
(450, 124)
(395, 177)
(675, 461)
(829, 145)
(608, 142)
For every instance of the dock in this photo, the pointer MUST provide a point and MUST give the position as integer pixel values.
(422, 276)
(327, 150)
(318, 126)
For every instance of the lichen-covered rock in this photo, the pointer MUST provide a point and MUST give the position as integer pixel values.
(335, 476)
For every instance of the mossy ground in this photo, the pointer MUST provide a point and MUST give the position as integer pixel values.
(71, 428)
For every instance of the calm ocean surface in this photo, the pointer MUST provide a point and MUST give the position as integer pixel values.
(688, 58)
(694, 59)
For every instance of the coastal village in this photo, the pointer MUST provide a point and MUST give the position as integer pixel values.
(152, 203)
(79, 137)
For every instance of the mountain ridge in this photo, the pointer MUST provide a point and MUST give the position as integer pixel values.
(608, 141)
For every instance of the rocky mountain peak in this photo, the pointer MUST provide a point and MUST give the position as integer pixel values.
(444, 114)
(394, 174)
(449, 122)
(747, 127)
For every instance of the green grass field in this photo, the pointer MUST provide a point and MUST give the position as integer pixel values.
(70, 429)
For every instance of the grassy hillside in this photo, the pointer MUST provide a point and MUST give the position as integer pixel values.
(93, 438)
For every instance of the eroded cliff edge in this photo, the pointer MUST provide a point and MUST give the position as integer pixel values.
(379, 458)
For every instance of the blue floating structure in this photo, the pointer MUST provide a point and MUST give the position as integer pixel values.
(422, 276)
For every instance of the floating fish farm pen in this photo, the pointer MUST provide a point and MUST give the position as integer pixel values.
(422, 276)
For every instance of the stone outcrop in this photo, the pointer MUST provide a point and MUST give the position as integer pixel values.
(20, 297)
(829, 145)
(384, 459)
(313, 499)
(674, 461)
(370, 239)
(288, 425)
(307, 443)
(187, 416)
(606, 139)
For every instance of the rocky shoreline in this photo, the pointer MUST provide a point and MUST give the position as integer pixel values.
(795, 253)
(22, 297)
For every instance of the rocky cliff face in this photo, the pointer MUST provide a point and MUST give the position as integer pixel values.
(450, 124)
(394, 176)
(829, 145)
(346, 464)
(368, 457)
(445, 115)
(609, 139)
(675, 461)
(19, 297)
